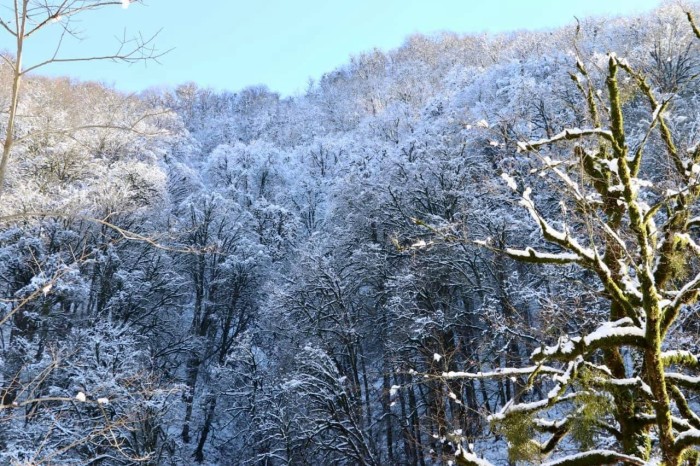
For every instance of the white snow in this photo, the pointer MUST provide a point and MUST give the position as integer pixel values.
(584, 455)
(635, 381)
(688, 435)
(613, 165)
(638, 183)
(682, 294)
(675, 355)
(565, 345)
(549, 423)
(528, 407)
(617, 328)
(570, 133)
(531, 253)
(420, 244)
(688, 379)
(509, 181)
(471, 458)
(507, 372)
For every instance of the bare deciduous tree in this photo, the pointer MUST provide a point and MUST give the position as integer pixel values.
(27, 17)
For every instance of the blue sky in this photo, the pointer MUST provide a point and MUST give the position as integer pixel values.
(231, 44)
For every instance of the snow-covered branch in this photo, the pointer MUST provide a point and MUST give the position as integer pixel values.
(502, 373)
(530, 255)
(608, 335)
(464, 458)
(567, 134)
(596, 458)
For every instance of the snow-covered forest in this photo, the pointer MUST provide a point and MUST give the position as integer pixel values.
(472, 249)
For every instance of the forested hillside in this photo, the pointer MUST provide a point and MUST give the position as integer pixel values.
(472, 249)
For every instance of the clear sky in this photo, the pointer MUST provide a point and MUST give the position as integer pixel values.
(231, 44)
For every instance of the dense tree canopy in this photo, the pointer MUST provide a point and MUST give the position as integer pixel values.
(470, 249)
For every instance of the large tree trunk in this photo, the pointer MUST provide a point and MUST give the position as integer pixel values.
(208, 419)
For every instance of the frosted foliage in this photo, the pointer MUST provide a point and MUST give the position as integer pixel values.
(444, 253)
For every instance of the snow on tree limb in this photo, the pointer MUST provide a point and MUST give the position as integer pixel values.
(687, 439)
(502, 373)
(533, 406)
(530, 255)
(595, 458)
(683, 380)
(464, 458)
(630, 383)
(589, 258)
(567, 134)
(680, 357)
(608, 335)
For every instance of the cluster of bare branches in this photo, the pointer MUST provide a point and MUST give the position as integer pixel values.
(26, 18)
